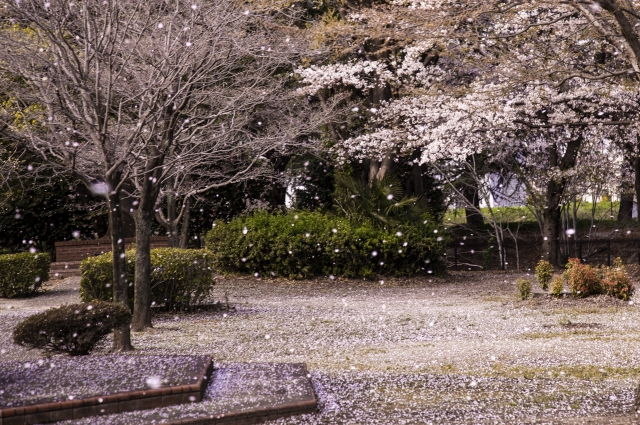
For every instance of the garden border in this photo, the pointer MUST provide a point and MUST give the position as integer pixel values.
(109, 404)
(257, 416)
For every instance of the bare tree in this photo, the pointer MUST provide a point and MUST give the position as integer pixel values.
(63, 67)
(152, 93)
(242, 149)
(211, 100)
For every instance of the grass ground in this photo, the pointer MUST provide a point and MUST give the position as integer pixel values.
(460, 349)
(522, 218)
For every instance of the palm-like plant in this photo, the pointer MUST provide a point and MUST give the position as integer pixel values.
(382, 202)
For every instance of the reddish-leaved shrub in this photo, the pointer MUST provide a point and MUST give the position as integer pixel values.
(583, 279)
(615, 281)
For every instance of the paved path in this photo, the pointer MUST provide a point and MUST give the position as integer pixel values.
(54, 293)
(13, 310)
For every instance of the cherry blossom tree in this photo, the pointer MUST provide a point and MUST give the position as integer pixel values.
(533, 87)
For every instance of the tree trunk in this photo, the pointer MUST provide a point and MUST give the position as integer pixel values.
(472, 207)
(277, 194)
(551, 232)
(172, 215)
(186, 218)
(418, 181)
(374, 167)
(555, 190)
(122, 336)
(142, 299)
(378, 94)
(625, 212)
(386, 166)
(636, 170)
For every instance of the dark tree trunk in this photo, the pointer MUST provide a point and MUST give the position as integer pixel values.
(472, 208)
(186, 218)
(128, 224)
(551, 225)
(122, 336)
(172, 217)
(142, 299)
(374, 167)
(144, 217)
(636, 170)
(554, 193)
(277, 194)
(418, 180)
(374, 48)
(625, 212)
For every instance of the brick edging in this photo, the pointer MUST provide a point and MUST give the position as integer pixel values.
(109, 404)
(256, 416)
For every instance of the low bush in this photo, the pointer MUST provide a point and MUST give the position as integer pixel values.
(557, 286)
(615, 281)
(524, 288)
(304, 244)
(544, 273)
(179, 277)
(583, 279)
(97, 277)
(23, 274)
(74, 329)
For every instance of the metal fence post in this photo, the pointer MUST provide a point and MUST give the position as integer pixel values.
(455, 256)
(580, 250)
(609, 252)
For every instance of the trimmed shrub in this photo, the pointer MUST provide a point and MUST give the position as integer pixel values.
(583, 279)
(557, 286)
(524, 288)
(22, 274)
(544, 272)
(615, 281)
(97, 277)
(179, 277)
(74, 329)
(301, 244)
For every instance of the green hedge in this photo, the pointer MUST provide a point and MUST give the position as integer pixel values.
(73, 329)
(22, 274)
(179, 277)
(304, 244)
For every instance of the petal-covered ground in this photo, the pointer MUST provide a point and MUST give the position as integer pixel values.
(460, 349)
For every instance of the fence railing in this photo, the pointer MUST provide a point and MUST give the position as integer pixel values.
(480, 254)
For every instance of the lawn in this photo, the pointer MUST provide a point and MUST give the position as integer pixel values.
(521, 217)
